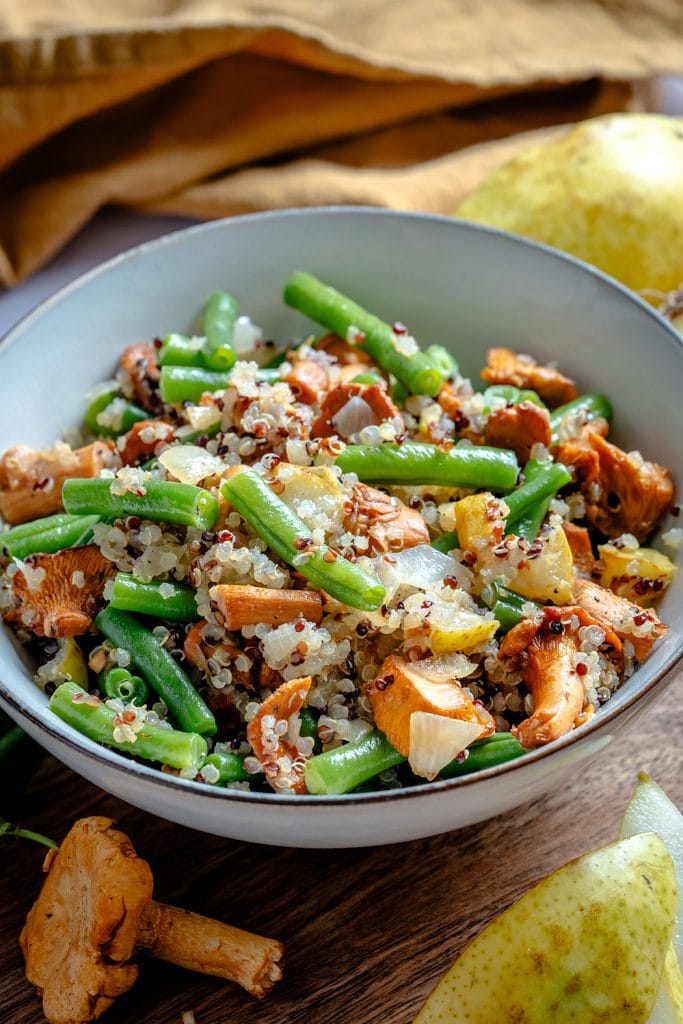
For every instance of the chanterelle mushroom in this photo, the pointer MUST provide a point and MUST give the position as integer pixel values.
(59, 595)
(95, 911)
(546, 649)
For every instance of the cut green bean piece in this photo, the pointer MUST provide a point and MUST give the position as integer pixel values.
(99, 400)
(335, 311)
(178, 384)
(368, 378)
(94, 719)
(220, 314)
(506, 605)
(347, 767)
(529, 523)
(447, 542)
(344, 768)
(591, 405)
(230, 767)
(476, 466)
(399, 393)
(289, 537)
(163, 501)
(443, 360)
(161, 671)
(309, 727)
(177, 350)
(542, 485)
(150, 597)
(69, 532)
(486, 754)
(41, 525)
(512, 395)
(119, 684)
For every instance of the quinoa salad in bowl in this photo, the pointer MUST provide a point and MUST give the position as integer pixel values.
(332, 563)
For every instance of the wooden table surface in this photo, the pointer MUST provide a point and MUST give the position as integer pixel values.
(367, 932)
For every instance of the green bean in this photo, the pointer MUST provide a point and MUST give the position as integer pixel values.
(177, 603)
(592, 405)
(99, 400)
(309, 723)
(496, 750)
(119, 684)
(309, 727)
(163, 500)
(156, 665)
(335, 311)
(347, 767)
(344, 768)
(220, 314)
(512, 395)
(443, 360)
(41, 525)
(473, 466)
(399, 393)
(230, 767)
(447, 542)
(368, 378)
(53, 533)
(178, 384)
(153, 743)
(506, 605)
(545, 483)
(177, 350)
(288, 536)
(529, 524)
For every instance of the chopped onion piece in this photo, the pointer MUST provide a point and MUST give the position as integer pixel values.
(422, 566)
(435, 741)
(445, 668)
(353, 416)
(246, 336)
(203, 416)
(189, 463)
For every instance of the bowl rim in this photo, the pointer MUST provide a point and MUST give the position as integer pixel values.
(118, 762)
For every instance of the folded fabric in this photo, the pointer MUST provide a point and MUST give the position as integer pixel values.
(211, 107)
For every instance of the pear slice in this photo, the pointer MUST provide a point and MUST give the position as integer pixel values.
(650, 810)
(586, 944)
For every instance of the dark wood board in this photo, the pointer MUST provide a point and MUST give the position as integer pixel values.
(368, 932)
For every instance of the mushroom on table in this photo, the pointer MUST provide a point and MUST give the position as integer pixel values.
(95, 911)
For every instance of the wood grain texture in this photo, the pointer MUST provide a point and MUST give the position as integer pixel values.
(367, 932)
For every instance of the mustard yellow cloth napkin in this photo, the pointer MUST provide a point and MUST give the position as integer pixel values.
(210, 107)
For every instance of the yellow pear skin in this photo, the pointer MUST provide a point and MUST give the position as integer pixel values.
(608, 191)
(585, 946)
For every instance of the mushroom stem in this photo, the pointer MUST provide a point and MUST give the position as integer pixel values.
(210, 947)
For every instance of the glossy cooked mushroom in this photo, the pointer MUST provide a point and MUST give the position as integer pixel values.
(546, 648)
(95, 911)
(59, 595)
(31, 481)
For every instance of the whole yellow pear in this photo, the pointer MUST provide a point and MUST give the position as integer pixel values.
(609, 190)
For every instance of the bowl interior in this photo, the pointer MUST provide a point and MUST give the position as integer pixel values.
(463, 286)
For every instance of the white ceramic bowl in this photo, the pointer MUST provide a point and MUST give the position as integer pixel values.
(451, 282)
